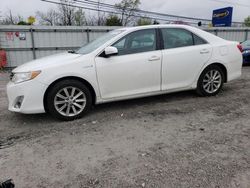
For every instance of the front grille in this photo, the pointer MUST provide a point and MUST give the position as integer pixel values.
(11, 75)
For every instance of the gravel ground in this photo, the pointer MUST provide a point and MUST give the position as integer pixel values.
(174, 140)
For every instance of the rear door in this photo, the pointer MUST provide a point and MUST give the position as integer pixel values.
(184, 55)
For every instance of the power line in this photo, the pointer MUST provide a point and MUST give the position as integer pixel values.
(232, 3)
(141, 11)
(108, 8)
(148, 12)
(109, 11)
(113, 10)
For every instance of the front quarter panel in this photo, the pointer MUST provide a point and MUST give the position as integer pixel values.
(83, 67)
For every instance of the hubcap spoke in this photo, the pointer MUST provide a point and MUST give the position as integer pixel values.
(73, 92)
(60, 102)
(215, 86)
(78, 95)
(74, 109)
(68, 110)
(212, 87)
(80, 100)
(60, 96)
(207, 84)
(66, 92)
(62, 108)
(78, 105)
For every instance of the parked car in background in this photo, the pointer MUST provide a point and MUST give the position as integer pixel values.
(124, 64)
(246, 52)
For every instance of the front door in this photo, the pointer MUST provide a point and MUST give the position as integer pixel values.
(136, 69)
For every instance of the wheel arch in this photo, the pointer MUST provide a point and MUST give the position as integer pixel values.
(223, 68)
(85, 82)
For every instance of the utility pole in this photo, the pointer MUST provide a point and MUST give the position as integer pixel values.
(98, 8)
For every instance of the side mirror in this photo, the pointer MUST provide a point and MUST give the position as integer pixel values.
(109, 51)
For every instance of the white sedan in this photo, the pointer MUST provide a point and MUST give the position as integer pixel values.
(124, 64)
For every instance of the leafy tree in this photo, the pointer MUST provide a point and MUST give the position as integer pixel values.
(144, 21)
(247, 21)
(23, 23)
(127, 9)
(31, 20)
(79, 17)
(113, 20)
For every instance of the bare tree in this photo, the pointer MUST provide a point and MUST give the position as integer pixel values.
(1, 18)
(127, 8)
(95, 20)
(51, 17)
(64, 15)
(10, 19)
(66, 12)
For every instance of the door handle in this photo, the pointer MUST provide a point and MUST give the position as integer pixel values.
(204, 51)
(154, 58)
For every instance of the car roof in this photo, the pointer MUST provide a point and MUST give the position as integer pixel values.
(205, 35)
(154, 26)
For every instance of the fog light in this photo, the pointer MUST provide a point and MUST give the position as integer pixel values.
(19, 101)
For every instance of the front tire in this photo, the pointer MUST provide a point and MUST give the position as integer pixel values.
(211, 81)
(68, 100)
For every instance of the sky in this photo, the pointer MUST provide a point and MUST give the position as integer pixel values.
(190, 8)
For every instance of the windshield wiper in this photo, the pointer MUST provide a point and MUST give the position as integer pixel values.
(72, 51)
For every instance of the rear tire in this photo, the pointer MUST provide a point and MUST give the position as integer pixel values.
(210, 81)
(68, 100)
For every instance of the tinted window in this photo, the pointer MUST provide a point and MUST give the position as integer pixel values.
(137, 42)
(198, 40)
(175, 38)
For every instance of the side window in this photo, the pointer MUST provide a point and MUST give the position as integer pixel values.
(198, 40)
(120, 44)
(137, 42)
(175, 38)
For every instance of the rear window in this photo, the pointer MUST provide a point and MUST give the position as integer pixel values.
(198, 40)
(177, 37)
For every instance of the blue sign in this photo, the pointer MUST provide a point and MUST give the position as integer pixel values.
(222, 17)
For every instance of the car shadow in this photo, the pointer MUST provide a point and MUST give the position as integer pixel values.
(151, 100)
(111, 107)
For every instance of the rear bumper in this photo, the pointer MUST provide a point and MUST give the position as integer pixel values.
(32, 92)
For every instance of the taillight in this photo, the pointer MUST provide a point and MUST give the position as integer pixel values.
(240, 47)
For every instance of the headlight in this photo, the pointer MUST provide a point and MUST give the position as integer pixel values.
(19, 77)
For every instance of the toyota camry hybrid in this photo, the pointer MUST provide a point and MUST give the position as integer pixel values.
(123, 64)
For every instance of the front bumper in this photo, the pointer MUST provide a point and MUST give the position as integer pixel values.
(32, 92)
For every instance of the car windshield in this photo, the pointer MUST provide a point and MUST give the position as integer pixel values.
(93, 45)
(246, 44)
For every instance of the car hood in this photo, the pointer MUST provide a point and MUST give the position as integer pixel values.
(46, 62)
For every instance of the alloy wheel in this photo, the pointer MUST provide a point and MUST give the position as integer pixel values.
(70, 101)
(212, 81)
